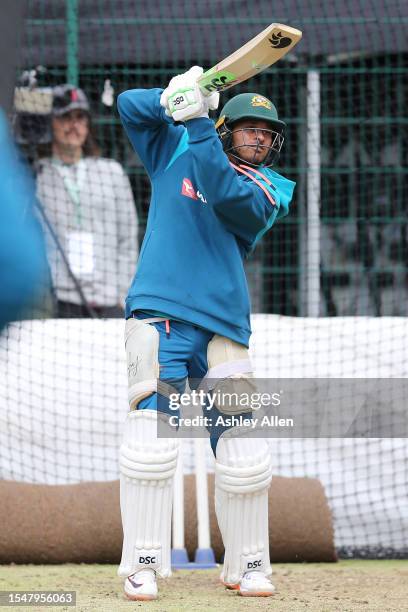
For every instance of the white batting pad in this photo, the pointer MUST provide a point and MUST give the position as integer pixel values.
(142, 355)
(147, 466)
(243, 474)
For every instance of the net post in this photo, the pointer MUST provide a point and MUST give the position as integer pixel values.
(179, 557)
(313, 193)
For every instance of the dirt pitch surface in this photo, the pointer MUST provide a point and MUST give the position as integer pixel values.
(345, 587)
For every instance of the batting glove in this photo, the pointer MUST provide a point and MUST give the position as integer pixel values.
(183, 99)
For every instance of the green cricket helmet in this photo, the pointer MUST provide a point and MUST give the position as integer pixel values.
(251, 106)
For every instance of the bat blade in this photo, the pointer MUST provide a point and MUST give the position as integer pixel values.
(256, 55)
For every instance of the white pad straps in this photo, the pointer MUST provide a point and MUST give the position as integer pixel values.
(229, 374)
(242, 478)
(147, 467)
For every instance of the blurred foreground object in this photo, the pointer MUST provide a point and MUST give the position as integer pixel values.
(22, 264)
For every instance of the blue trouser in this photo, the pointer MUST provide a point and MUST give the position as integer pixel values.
(182, 358)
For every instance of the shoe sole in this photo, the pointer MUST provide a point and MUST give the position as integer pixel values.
(230, 586)
(141, 597)
(257, 594)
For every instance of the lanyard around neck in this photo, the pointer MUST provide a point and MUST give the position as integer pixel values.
(74, 179)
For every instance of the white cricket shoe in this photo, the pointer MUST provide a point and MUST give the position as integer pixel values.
(141, 586)
(231, 586)
(255, 584)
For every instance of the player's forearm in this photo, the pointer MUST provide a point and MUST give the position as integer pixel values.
(243, 210)
(153, 135)
(218, 179)
(141, 108)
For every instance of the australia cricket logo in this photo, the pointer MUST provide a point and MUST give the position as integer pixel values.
(279, 42)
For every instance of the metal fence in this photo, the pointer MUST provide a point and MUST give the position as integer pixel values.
(343, 93)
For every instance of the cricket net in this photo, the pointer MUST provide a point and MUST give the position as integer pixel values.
(64, 400)
(328, 284)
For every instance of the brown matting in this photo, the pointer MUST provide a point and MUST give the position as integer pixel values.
(81, 523)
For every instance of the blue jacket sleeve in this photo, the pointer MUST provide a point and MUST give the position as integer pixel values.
(241, 205)
(153, 134)
(22, 248)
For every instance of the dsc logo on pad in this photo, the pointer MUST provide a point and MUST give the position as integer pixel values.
(253, 562)
(147, 560)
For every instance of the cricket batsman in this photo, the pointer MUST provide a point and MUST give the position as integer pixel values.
(214, 196)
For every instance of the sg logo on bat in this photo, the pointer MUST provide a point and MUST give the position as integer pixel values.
(278, 41)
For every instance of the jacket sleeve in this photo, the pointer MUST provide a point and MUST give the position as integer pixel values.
(23, 267)
(153, 134)
(127, 233)
(242, 206)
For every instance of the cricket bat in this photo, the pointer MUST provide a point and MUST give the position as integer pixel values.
(256, 55)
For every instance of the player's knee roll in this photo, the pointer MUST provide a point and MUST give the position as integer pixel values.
(142, 355)
(230, 376)
(243, 464)
(154, 460)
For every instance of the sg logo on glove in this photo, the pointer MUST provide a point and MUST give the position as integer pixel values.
(178, 100)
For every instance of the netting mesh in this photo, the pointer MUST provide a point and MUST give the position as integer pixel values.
(361, 59)
(342, 251)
